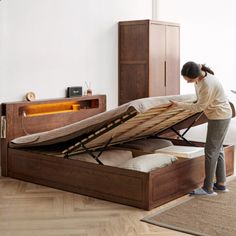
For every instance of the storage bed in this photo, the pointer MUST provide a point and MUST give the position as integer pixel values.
(40, 140)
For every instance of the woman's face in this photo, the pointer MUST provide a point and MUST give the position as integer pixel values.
(189, 80)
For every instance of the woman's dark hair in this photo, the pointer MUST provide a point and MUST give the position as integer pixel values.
(193, 70)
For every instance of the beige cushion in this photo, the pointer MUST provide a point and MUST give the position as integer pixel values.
(109, 157)
(148, 145)
(146, 163)
(182, 151)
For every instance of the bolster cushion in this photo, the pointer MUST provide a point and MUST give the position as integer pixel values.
(149, 162)
(148, 145)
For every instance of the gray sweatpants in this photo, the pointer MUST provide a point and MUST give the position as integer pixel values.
(214, 153)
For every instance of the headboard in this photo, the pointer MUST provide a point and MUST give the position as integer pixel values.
(22, 118)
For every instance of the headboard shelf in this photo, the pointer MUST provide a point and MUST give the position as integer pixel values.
(57, 107)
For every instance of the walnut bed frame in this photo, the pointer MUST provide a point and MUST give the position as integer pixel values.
(129, 187)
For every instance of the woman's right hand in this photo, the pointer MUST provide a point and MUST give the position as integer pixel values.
(173, 103)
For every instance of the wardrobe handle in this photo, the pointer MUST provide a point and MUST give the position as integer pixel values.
(165, 73)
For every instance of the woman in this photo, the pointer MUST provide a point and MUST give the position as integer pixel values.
(212, 100)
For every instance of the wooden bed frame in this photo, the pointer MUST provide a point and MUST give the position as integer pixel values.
(129, 187)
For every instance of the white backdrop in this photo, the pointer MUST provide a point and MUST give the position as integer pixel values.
(48, 45)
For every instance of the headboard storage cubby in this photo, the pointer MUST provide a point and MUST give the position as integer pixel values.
(58, 107)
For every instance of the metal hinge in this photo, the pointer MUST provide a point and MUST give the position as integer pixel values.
(3, 127)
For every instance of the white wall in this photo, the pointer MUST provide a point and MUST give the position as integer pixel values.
(48, 45)
(208, 35)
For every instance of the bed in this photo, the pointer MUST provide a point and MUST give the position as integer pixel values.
(40, 140)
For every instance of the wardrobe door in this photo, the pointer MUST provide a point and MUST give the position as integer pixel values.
(134, 83)
(172, 60)
(157, 63)
(133, 60)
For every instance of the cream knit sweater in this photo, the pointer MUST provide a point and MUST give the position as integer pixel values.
(211, 99)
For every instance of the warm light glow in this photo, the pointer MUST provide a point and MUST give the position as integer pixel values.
(59, 107)
(44, 109)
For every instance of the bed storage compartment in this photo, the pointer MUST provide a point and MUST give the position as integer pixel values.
(130, 187)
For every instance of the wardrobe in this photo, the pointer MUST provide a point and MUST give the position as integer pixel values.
(149, 59)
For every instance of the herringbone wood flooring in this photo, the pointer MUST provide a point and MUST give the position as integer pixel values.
(32, 210)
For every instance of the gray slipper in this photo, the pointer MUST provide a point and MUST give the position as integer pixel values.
(203, 192)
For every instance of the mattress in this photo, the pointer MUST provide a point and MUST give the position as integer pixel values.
(131, 121)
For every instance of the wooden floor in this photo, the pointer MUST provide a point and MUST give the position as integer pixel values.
(32, 210)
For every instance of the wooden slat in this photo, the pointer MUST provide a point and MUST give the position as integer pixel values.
(144, 124)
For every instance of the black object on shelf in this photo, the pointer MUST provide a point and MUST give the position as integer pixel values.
(74, 91)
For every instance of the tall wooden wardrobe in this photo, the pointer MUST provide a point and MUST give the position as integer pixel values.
(149, 59)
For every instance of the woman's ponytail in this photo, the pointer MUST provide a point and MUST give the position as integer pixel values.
(206, 69)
